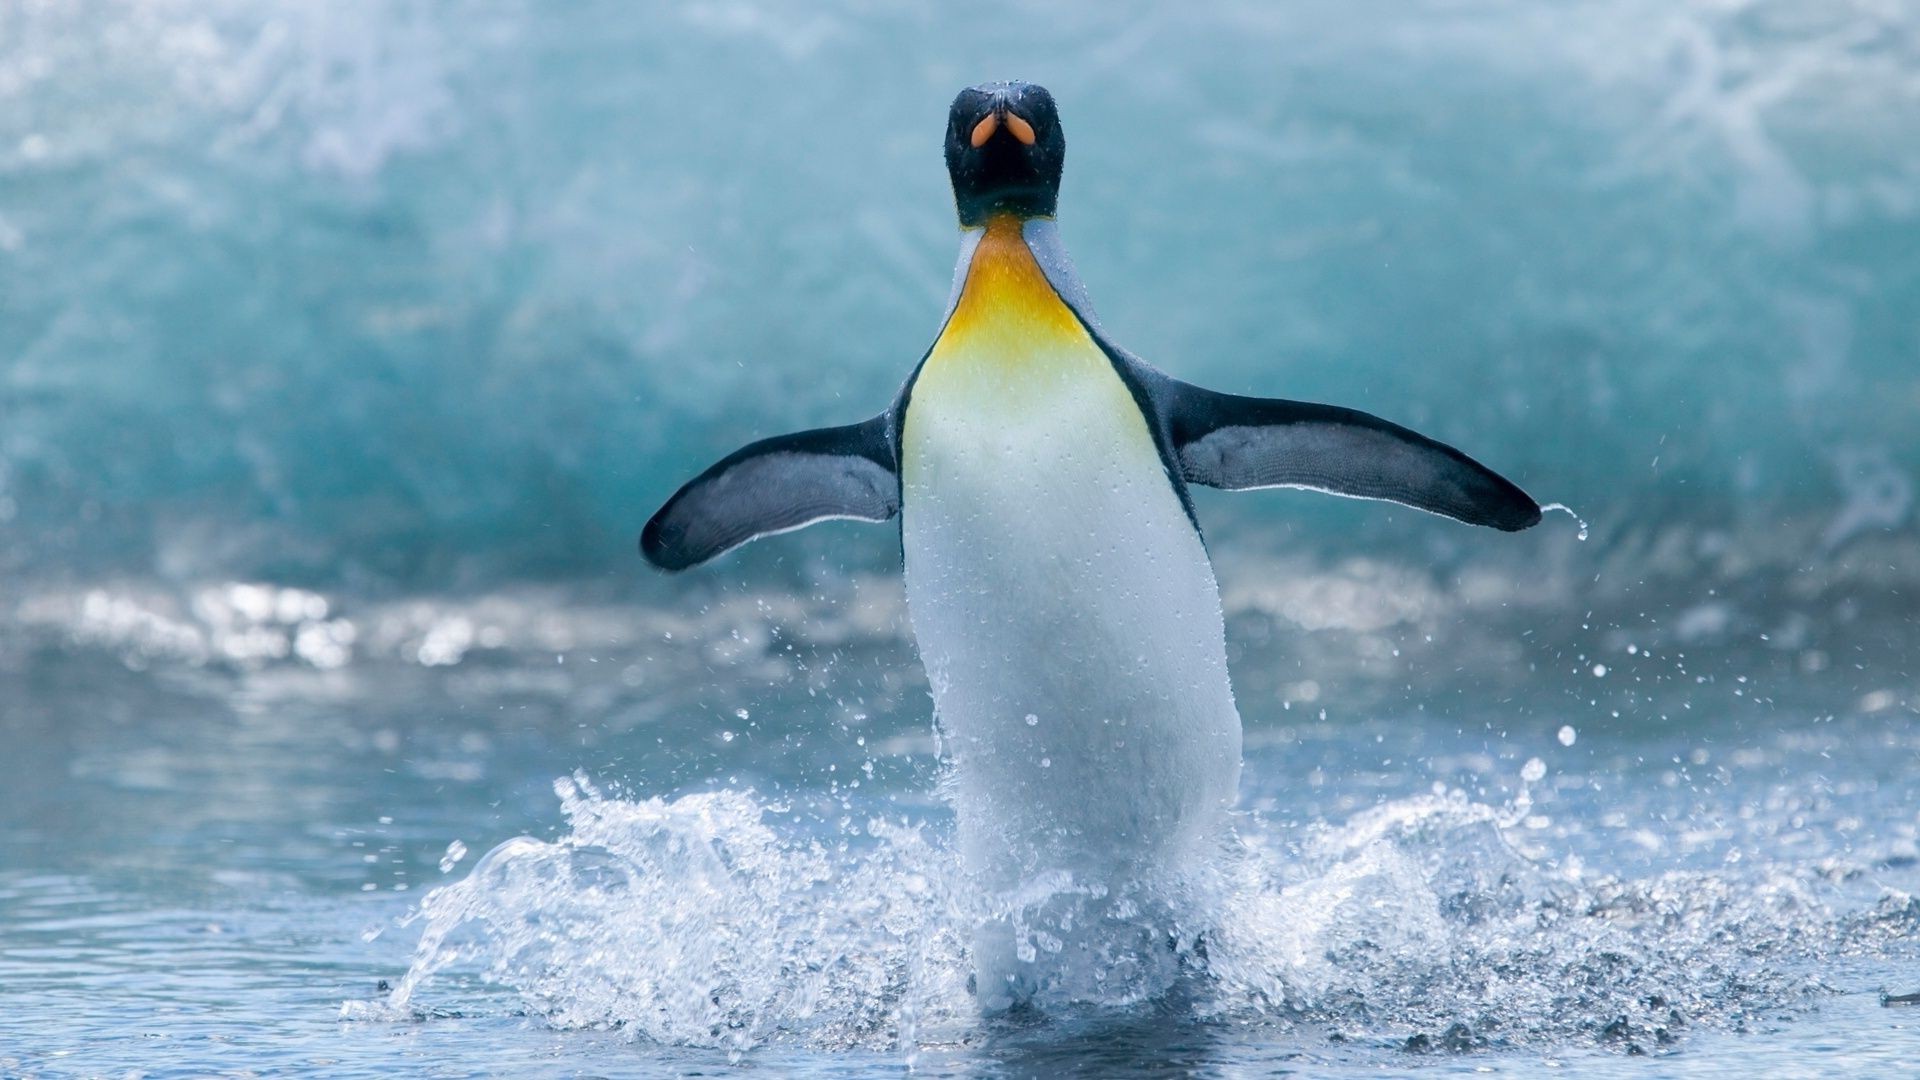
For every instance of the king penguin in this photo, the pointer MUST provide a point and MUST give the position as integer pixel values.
(1059, 590)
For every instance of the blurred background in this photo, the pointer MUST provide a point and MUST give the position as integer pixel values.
(438, 295)
(345, 348)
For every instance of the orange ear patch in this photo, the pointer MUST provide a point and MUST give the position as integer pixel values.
(1020, 128)
(988, 124)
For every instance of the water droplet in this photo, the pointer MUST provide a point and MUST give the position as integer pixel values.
(1533, 771)
(455, 852)
(1568, 735)
(1599, 671)
(1046, 763)
(741, 713)
(1568, 510)
(726, 736)
(1032, 720)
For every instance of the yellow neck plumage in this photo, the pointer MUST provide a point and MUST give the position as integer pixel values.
(1008, 316)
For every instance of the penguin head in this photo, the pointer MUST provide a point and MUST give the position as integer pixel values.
(1004, 151)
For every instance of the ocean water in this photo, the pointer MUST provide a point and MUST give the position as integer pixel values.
(344, 349)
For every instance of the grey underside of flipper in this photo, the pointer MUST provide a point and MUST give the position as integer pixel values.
(1244, 443)
(777, 485)
(1241, 443)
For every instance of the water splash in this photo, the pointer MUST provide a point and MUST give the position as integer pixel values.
(704, 921)
(696, 922)
(1568, 510)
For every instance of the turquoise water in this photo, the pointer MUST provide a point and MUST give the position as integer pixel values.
(344, 350)
(455, 292)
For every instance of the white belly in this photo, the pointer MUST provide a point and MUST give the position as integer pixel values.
(1070, 626)
(1071, 631)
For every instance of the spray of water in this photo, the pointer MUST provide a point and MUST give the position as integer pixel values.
(705, 921)
(1568, 510)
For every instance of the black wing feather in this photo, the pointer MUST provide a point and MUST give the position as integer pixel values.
(1239, 443)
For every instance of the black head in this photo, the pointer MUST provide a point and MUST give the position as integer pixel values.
(1004, 151)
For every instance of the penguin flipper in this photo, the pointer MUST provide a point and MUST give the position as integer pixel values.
(777, 485)
(1243, 443)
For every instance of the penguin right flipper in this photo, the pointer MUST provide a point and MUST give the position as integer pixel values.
(777, 485)
(1243, 443)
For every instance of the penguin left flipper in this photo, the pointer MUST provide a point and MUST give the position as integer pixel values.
(774, 486)
(1243, 443)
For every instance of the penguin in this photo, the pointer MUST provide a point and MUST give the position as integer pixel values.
(1059, 589)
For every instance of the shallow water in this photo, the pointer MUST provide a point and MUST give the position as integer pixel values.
(218, 858)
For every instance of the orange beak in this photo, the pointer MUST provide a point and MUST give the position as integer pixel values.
(990, 123)
(984, 130)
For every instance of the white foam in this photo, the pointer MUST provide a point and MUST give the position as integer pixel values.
(716, 920)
